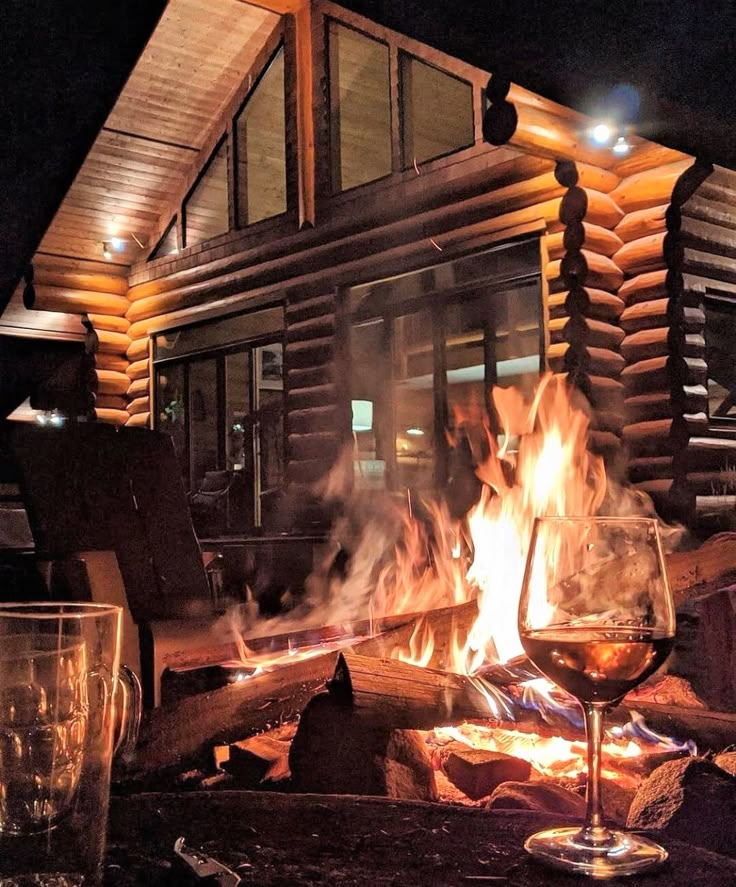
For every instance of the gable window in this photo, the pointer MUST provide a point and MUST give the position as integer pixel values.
(360, 108)
(720, 334)
(260, 148)
(427, 347)
(168, 245)
(206, 211)
(220, 394)
(436, 112)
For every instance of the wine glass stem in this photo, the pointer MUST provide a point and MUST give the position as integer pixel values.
(594, 830)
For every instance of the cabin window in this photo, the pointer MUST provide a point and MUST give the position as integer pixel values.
(720, 334)
(168, 245)
(206, 211)
(220, 394)
(436, 112)
(260, 148)
(417, 372)
(360, 107)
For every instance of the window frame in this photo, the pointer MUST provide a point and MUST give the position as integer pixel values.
(172, 226)
(223, 140)
(728, 305)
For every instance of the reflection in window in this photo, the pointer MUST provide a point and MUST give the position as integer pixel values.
(360, 108)
(437, 112)
(269, 415)
(413, 371)
(260, 133)
(370, 405)
(720, 335)
(202, 430)
(171, 404)
(169, 243)
(206, 208)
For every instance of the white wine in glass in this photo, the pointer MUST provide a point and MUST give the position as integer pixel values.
(596, 617)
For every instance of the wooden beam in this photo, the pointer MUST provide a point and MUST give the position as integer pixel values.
(280, 7)
(303, 24)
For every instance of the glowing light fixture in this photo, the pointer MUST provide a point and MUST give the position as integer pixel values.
(362, 415)
(621, 146)
(117, 243)
(415, 432)
(601, 134)
(51, 418)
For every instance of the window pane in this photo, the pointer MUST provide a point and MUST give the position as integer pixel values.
(208, 499)
(413, 363)
(720, 335)
(360, 118)
(261, 149)
(206, 209)
(239, 440)
(269, 363)
(172, 410)
(516, 343)
(465, 328)
(370, 395)
(169, 243)
(437, 112)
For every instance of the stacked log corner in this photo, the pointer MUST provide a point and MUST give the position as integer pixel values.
(706, 259)
(584, 307)
(99, 295)
(665, 375)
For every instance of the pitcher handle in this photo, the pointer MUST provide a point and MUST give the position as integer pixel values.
(130, 712)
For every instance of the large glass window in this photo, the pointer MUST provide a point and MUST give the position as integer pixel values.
(222, 400)
(418, 371)
(168, 245)
(360, 108)
(436, 112)
(720, 335)
(206, 211)
(260, 148)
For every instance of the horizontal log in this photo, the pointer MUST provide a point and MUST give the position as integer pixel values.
(604, 420)
(111, 382)
(139, 405)
(653, 431)
(717, 190)
(720, 268)
(645, 344)
(110, 402)
(651, 188)
(138, 369)
(114, 417)
(646, 375)
(645, 316)
(604, 392)
(306, 377)
(593, 237)
(600, 305)
(719, 506)
(588, 268)
(602, 209)
(642, 223)
(109, 322)
(650, 468)
(314, 328)
(117, 362)
(705, 236)
(708, 210)
(642, 255)
(138, 348)
(696, 286)
(594, 333)
(326, 418)
(139, 420)
(597, 361)
(308, 471)
(138, 387)
(644, 287)
(73, 301)
(310, 308)
(310, 446)
(712, 483)
(306, 398)
(604, 443)
(659, 487)
(111, 342)
(78, 280)
(649, 406)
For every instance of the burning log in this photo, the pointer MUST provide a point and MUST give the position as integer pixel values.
(386, 692)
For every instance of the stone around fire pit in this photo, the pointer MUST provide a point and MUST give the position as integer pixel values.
(692, 799)
(334, 752)
(539, 797)
(477, 771)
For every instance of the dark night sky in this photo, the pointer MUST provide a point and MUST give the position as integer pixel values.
(64, 61)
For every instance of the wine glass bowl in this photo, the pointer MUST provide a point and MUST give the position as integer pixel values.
(596, 617)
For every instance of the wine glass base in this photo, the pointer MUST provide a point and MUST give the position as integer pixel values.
(622, 853)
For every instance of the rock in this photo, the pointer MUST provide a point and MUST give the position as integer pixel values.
(616, 799)
(334, 752)
(540, 797)
(726, 760)
(477, 772)
(691, 799)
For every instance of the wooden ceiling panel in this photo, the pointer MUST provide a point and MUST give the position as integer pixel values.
(199, 55)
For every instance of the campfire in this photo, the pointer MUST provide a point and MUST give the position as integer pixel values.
(432, 696)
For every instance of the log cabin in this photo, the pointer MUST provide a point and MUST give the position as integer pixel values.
(298, 230)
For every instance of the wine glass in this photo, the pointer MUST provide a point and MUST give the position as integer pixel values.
(596, 617)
